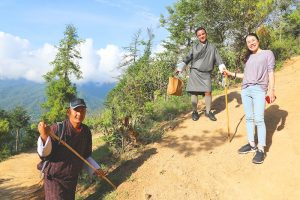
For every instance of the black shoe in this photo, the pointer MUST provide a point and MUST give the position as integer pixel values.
(211, 116)
(259, 157)
(195, 115)
(247, 149)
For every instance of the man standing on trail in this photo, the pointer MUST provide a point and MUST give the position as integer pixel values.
(258, 81)
(63, 167)
(203, 56)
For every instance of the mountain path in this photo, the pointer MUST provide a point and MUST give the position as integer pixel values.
(196, 161)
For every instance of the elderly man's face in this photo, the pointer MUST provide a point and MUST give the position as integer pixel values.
(77, 115)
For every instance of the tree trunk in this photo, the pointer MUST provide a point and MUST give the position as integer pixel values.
(17, 140)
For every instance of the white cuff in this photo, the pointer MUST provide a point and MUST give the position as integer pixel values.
(44, 150)
(180, 66)
(93, 163)
(222, 68)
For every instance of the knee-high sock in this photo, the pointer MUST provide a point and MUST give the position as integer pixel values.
(194, 99)
(208, 100)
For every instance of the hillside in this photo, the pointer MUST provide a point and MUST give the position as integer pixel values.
(196, 161)
(31, 95)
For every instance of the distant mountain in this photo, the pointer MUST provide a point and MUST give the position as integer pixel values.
(30, 95)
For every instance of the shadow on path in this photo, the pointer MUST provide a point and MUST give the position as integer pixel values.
(34, 192)
(121, 174)
(190, 145)
(236, 128)
(275, 119)
(219, 103)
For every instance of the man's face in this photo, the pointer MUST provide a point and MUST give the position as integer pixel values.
(201, 35)
(77, 115)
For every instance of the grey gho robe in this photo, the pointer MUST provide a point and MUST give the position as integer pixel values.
(203, 57)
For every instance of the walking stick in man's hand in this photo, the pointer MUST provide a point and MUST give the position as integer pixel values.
(226, 103)
(98, 172)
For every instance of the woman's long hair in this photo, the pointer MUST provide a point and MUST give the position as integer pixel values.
(248, 53)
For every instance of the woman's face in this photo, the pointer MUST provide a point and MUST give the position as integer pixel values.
(252, 43)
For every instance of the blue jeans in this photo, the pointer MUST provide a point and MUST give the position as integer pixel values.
(253, 98)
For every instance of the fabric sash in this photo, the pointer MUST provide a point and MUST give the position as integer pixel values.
(201, 52)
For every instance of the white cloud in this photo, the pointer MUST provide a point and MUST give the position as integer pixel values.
(100, 66)
(159, 48)
(19, 60)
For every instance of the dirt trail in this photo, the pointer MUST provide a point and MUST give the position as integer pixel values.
(196, 161)
(19, 177)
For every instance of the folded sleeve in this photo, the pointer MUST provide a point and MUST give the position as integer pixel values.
(93, 163)
(44, 149)
(222, 68)
(218, 58)
(180, 66)
(271, 61)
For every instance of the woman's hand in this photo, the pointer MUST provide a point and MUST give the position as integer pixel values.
(177, 72)
(271, 87)
(271, 95)
(228, 73)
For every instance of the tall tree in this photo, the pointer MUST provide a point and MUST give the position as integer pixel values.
(18, 119)
(60, 89)
(181, 23)
(227, 22)
(4, 127)
(126, 102)
(292, 25)
(129, 96)
(132, 51)
(5, 137)
(4, 124)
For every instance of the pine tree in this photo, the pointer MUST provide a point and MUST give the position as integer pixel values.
(19, 119)
(60, 90)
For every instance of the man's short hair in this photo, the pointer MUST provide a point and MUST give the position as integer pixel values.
(200, 28)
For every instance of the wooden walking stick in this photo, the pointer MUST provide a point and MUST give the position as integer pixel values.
(226, 102)
(84, 160)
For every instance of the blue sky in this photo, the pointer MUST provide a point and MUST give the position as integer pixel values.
(29, 30)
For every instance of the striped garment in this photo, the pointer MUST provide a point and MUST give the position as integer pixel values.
(64, 167)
